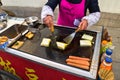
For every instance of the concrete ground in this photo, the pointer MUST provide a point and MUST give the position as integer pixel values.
(112, 23)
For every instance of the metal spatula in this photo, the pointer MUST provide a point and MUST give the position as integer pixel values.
(70, 37)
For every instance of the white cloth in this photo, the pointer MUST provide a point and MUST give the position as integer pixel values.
(46, 10)
(92, 17)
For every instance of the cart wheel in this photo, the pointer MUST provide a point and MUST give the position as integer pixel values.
(8, 76)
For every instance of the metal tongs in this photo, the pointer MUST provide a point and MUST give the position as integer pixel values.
(53, 38)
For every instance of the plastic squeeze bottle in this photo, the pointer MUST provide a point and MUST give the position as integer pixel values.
(108, 53)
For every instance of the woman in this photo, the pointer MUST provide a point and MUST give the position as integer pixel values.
(71, 13)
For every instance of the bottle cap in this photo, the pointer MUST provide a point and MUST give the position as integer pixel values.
(104, 42)
(108, 51)
(108, 59)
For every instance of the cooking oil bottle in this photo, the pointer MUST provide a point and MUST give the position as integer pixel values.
(105, 68)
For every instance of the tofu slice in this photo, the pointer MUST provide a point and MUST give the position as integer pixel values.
(18, 44)
(29, 35)
(45, 42)
(85, 43)
(87, 37)
(62, 45)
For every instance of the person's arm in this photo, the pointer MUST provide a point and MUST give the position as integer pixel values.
(92, 18)
(94, 10)
(48, 8)
(47, 13)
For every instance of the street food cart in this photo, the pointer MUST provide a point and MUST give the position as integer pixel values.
(34, 62)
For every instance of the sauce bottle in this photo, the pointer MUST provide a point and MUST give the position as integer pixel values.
(104, 45)
(108, 53)
(107, 63)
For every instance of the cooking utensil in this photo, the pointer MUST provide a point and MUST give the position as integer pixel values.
(17, 28)
(32, 20)
(53, 38)
(70, 37)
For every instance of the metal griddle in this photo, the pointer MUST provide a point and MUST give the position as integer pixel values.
(14, 30)
(32, 46)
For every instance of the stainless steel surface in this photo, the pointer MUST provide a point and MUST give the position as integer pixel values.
(53, 60)
(92, 74)
(3, 25)
(32, 20)
(14, 31)
(56, 59)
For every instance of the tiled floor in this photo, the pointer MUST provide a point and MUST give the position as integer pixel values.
(112, 23)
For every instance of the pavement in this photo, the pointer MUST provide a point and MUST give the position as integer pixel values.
(112, 23)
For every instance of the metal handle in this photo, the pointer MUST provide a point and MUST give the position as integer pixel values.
(52, 28)
(77, 30)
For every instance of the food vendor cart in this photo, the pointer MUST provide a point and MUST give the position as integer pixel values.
(34, 62)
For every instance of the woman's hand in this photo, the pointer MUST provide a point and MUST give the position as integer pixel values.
(83, 24)
(48, 20)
